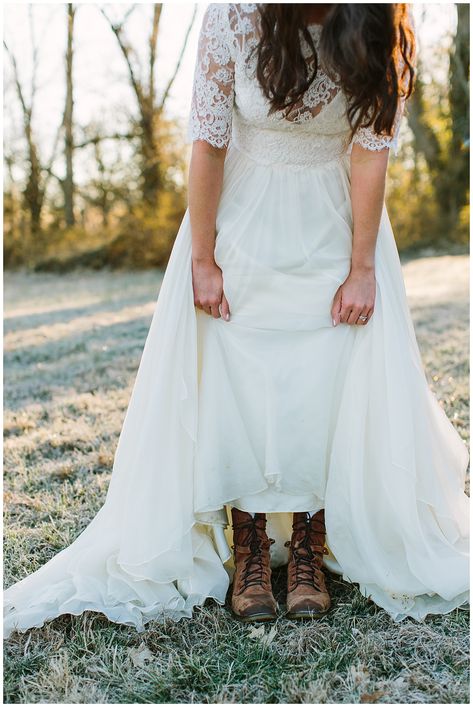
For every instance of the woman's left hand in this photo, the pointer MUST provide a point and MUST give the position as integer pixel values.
(354, 298)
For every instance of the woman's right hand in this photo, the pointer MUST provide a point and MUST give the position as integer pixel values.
(207, 283)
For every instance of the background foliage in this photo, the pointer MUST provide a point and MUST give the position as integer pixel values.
(128, 208)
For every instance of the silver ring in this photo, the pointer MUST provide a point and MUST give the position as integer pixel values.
(363, 319)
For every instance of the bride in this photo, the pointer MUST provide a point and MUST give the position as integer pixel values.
(280, 413)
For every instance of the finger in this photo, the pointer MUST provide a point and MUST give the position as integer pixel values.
(336, 306)
(225, 308)
(215, 311)
(354, 314)
(345, 313)
(369, 313)
(365, 313)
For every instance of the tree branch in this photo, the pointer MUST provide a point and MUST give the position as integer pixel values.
(153, 40)
(34, 48)
(126, 50)
(19, 90)
(99, 138)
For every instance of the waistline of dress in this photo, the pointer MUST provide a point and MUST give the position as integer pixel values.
(340, 160)
(296, 147)
(262, 151)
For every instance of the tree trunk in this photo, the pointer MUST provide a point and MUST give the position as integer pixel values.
(448, 164)
(451, 183)
(149, 109)
(459, 109)
(33, 194)
(151, 167)
(68, 184)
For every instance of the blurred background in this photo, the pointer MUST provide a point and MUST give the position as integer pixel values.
(95, 155)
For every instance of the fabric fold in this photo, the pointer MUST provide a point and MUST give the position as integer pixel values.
(392, 479)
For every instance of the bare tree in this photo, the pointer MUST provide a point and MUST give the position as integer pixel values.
(37, 174)
(150, 108)
(447, 163)
(33, 193)
(68, 184)
(459, 109)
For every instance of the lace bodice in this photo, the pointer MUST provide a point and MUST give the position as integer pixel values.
(228, 104)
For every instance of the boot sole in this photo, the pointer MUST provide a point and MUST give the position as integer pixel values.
(254, 617)
(307, 615)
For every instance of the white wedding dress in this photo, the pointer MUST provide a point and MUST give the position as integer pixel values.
(275, 410)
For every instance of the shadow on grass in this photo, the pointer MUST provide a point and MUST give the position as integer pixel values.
(21, 322)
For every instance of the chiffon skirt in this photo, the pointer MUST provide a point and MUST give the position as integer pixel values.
(275, 410)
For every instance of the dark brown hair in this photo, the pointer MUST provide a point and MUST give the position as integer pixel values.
(367, 49)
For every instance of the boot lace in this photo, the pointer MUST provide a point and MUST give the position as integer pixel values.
(254, 567)
(308, 553)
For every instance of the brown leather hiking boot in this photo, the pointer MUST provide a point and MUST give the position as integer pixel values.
(307, 595)
(252, 596)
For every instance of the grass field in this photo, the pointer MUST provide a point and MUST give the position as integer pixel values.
(72, 347)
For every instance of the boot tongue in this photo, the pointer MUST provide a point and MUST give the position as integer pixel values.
(307, 546)
(251, 536)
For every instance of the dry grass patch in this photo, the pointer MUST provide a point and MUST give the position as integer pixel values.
(73, 346)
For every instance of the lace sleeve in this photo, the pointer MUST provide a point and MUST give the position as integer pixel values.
(367, 138)
(210, 116)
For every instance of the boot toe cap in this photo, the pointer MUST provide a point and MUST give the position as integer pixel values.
(254, 607)
(257, 612)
